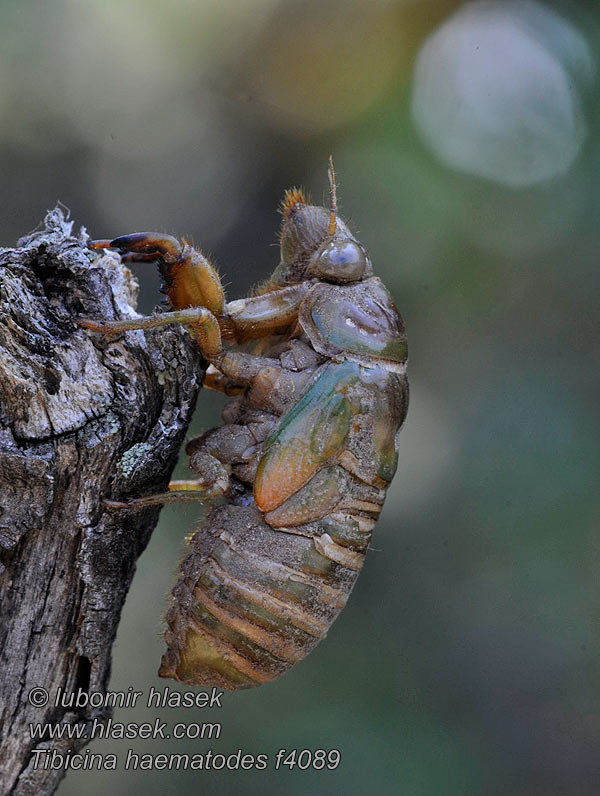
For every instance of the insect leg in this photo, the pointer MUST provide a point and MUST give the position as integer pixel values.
(201, 320)
(189, 278)
(111, 328)
(263, 315)
(217, 451)
(213, 481)
(143, 243)
(215, 380)
(190, 493)
(211, 455)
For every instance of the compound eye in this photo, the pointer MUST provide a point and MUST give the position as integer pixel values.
(341, 261)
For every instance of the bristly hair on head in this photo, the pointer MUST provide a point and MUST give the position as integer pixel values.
(291, 199)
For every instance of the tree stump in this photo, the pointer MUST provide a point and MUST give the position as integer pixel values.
(81, 418)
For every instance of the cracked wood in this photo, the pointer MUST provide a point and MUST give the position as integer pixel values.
(80, 418)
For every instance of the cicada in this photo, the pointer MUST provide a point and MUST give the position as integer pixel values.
(306, 452)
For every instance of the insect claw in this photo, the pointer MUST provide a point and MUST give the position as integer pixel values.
(141, 246)
(147, 243)
(132, 241)
(99, 244)
(138, 257)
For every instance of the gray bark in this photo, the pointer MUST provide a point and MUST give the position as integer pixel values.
(81, 418)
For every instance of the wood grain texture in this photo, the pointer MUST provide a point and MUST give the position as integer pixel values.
(81, 418)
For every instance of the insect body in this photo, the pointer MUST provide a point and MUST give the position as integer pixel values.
(304, 457)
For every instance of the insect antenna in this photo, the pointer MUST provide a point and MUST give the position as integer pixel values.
(333, 193)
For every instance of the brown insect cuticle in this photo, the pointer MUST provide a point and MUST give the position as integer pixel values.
(306, 452)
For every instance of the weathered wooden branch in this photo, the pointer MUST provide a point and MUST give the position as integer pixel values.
(81, 418)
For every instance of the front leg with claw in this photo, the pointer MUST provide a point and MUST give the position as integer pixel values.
(192, 284)
(195, 293)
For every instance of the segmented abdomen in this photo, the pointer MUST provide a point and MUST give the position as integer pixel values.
(252, 601)
(260, 588)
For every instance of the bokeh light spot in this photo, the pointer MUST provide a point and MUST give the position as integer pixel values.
(497, 92)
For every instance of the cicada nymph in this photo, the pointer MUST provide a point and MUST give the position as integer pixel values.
(306, 452)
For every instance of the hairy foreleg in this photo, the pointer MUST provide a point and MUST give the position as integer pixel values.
(191, 281)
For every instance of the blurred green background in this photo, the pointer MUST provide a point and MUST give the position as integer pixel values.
(466, 140)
